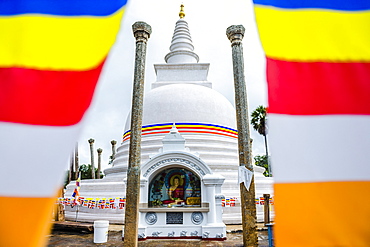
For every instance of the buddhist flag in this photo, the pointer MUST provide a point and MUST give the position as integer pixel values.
(51, 55)
(318, 73)
(76, 191)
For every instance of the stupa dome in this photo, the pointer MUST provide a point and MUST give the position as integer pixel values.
(186, 103)
(204, 117)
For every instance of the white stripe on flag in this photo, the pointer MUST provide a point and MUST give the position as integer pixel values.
(319, 148)
(34, 158)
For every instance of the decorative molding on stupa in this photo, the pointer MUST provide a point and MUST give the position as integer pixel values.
(173, 141)
(181, 62)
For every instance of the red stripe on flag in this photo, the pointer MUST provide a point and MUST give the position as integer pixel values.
(39, 97)
(316, 88)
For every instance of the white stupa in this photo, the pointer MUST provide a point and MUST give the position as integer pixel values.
(181, 97)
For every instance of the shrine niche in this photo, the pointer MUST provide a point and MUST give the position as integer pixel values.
(175, 187)
(180, 196)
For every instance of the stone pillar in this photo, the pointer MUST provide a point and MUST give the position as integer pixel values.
(266, 208)
(91, 142)
(59, 214)
(99, 150)
(235, 34)
(142, 33)
(71, 168)
(77, 167)
(113, 142)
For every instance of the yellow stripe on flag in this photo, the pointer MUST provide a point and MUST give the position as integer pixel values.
(57, 43)
(25, 221)
(339, 36)
(329, 214)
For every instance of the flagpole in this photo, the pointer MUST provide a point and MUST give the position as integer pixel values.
(76, 193)
(77, 211)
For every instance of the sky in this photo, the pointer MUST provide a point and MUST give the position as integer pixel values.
(208, 20)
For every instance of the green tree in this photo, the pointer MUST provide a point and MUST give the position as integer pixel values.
(66, 179)
(258, 122)
(261, 160)
(86, 171)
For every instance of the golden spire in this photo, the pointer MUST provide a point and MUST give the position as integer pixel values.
(182, 14)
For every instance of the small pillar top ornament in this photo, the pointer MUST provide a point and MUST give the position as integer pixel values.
(141, 31)
(235, 34)
(182, 13)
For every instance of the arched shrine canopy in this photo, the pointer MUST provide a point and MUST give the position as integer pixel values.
(174, 179)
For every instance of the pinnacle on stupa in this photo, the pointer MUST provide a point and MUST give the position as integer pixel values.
(181, 49)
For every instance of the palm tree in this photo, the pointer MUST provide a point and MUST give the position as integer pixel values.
(258, 122)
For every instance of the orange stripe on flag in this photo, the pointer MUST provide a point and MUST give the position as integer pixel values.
(322, 214)
(31, 217)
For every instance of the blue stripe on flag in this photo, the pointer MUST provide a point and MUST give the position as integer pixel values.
(346, 5)
(61, 7)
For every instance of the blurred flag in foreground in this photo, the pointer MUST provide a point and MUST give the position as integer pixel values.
(318, 73)
(52, 53)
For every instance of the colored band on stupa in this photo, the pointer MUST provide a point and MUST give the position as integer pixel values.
(185, 128)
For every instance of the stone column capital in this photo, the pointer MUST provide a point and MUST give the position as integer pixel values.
(235, 34)
(99, 150)
(113, 142)
(141, 31)
(91, 141)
